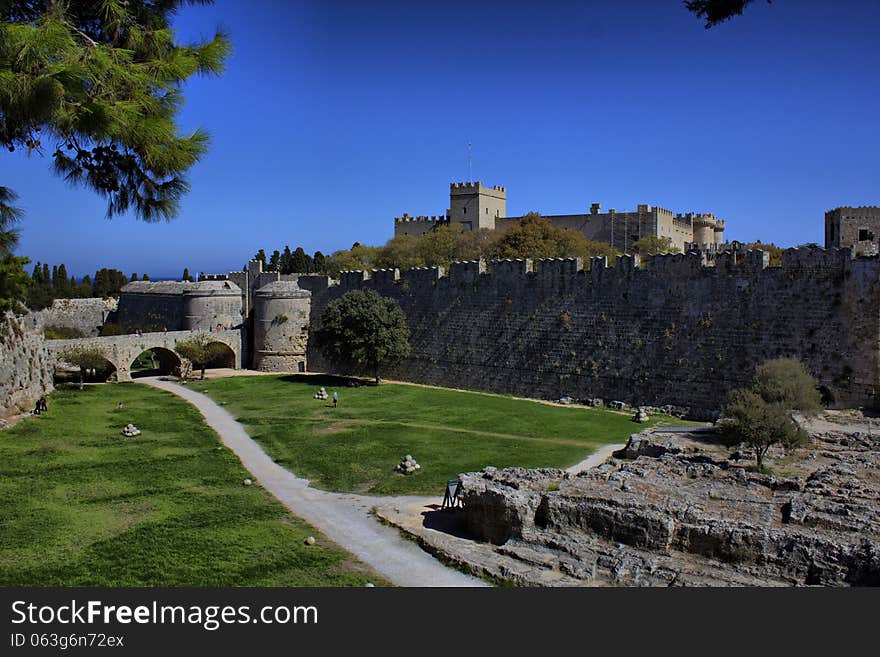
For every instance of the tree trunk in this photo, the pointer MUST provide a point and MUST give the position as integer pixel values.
(82, 374)
(203, 373)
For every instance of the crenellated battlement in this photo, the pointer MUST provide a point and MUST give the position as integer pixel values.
(422, 219)
(664, 269)
(474, 188)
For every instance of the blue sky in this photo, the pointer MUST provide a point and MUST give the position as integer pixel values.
(334, 117)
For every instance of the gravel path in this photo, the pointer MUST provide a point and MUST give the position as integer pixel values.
(345, 518)
(596, 458)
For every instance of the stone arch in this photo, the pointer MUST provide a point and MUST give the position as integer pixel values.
(70, 373)
(225, 356)
(167, 362)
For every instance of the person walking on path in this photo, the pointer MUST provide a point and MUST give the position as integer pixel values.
(335, 399)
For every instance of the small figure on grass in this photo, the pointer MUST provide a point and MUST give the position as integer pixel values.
(335, 399)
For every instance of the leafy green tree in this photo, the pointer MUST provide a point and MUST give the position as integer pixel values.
(774, 251)
(85, 358)
(359, 257)
(261, 256)
(145, 277)
(787, 381)
(761, 416)
(654, 245)
(365, 329)
(101, 82)
(441, 246)
(200, 350)
(186, 276)
(402, 251)
(134, 277)
(534, 237)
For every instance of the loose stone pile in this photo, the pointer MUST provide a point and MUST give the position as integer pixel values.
(321, 394)
(641, 415)
(408, 465)
(130, 430)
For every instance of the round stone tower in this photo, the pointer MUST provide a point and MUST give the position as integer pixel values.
(704, 229)
(209, 303)
(281, 318)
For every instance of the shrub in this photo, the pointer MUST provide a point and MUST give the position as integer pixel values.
(54, 332)
(760, 416)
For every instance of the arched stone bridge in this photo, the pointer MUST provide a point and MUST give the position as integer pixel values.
(122, 350)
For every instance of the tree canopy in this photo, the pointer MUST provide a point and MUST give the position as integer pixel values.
(364, 329)
(98, 84)
(84, 358)
(13, 279)
(200, 350)
(653, 245)
(717, 11)
(761, 416)
(534, 237)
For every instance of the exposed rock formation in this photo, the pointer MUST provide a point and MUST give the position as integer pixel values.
(681, 514)
(25, 367)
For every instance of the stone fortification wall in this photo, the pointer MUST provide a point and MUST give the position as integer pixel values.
(84, 315)
(281, 317)
(667, 331)
(177, 306)
(25, 366)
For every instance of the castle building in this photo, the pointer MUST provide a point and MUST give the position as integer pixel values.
(477, 206)
(849, 227)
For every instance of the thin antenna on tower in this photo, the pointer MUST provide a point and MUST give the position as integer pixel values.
(470, 163)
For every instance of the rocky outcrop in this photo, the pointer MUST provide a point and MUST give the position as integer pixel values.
(684, 516)
(25, 366)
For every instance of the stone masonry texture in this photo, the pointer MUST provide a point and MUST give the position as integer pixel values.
(25, 365)
(668, 330)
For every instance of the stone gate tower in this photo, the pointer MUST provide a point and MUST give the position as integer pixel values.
(476, 205)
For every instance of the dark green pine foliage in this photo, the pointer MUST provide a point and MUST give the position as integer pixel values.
(97, 84)
(286, 262)
(319, 263)
(14, 281)
(300, 262)
(274, 261)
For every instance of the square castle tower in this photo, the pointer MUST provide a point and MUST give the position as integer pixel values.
(476, 205)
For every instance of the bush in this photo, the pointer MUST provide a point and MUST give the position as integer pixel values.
(112, 329)
(760, 416)
(786, 381)
(53, 332)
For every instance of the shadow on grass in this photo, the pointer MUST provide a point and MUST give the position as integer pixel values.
(326, 380)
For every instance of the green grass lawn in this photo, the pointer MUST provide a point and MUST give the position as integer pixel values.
(81, 505)
(355, 447)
